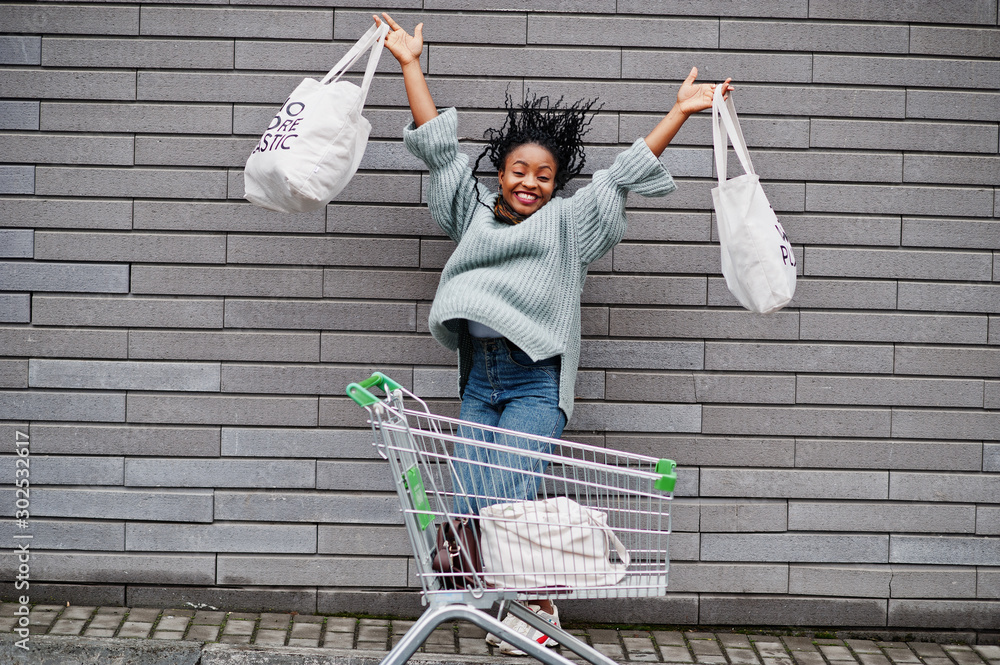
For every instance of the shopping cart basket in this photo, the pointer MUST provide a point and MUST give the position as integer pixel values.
(438, 465)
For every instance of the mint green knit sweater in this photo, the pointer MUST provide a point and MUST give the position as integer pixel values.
(523, 281)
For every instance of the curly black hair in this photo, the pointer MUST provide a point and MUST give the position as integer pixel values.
(554, 126)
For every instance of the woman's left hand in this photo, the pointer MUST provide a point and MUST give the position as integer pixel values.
(692, 98)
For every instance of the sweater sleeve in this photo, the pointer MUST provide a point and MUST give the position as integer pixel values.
(599, 208)
(452, 191)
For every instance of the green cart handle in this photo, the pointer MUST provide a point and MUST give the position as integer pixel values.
(669, 478)
(359, 391)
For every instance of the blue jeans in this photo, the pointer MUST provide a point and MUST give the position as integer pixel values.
(505, 389)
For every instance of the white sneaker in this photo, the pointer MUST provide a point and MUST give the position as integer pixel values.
(521, 627)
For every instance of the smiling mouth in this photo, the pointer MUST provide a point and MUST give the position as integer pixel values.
(526, 198)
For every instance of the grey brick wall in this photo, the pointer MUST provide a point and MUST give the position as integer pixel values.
(178, 356)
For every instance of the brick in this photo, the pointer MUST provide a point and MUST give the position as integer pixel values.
(151, 472)
(143, 568)
(833, 229)
(562, 62)
(50, 276)
(223, 410)
(290, 443)
(945, 424)
(668, 226)
(888, 391)
(187, 86)
(940, 40)
(899, 199)
(16, 243)
(279, 55)
(991, 457)
(74, 19)
(85, 407)
(795, 421)
(817, 165)
(972, 488)
(182, 345)
(17, 179)
(481, 28)
(714, 65)
(151, 183)
(778, 357)
(130, 247)
(638, 417)
(992, 395)
(625, 354)
(871, 581)
(944, 550)
(228, 281)
(720, 578)
(327, 315)
(68, 84)
(354, 283)
(947, 361)
(221, 537)
(939, 297)
(743, 515)
(933, 582)
(987, 582)
(788, 610)
(236, 599)
(70, 535)
(344, 475)
(67, 470)
(781, 483)
(714, 451)
(297, 379)
(434, 254)
(68, 149)
(13, 373)
(391, 349)
(825, 36)
(290, 570)
(349, 508)
(376, 220)
(138, 118)
(444, 383)
(320, 251)
(876, 454)
(144, 53)
(962, 614)
(362, 540)
(987, 521)
(81, 343)
(903, 135)
(20, 50)
(846, 548)
(131, 311)
(898, 264)
(193, 151)
(937, 11)
(15, 307)
(952, 105)
(618, 30)
(206, 216)
(969, 170)
(602, 7)
(744, 388)
(40, 213)
(122, 504)
(934, 72)
(241, 22)
(703, 324)
(19, 115)
(969, 233)
(879, 517)
(125, 440)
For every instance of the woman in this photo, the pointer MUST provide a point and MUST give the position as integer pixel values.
(509, 296)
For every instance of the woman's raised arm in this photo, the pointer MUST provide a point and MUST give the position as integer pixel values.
(691, 98)
(406, 49)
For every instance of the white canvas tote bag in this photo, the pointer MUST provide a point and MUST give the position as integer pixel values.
(555, 542)
(313, 146)
(757, 259)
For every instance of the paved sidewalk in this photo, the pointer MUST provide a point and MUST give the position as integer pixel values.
(147, 636)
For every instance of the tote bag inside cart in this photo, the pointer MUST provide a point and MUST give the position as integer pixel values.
(757, 259)
(314, 145)
(551, 543)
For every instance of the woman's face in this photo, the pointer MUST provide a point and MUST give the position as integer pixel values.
(528, 178)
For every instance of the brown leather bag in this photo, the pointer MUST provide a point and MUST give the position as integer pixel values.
(457, 554)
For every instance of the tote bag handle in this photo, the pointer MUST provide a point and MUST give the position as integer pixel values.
(726, 127)
(374, 39)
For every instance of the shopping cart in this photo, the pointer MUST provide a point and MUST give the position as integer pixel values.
(435, 462)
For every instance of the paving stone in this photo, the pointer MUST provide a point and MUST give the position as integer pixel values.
(639, 645)
(373, 632)
(771, 649)
(203, 633)
(987, 651)
(700, 636)
(104, 621)
(901, 655)
(7, 624)
(734, 641)
(67, 627)
(307, 618)
(244, 616)
(671, 638)
(799, 643)
(399, 627)
(275, 621)
(334, 640)
(143, 614)
(138, 629)
(836, 652)
(603, 636)
(343, 624)
(808, 658)
(173, 623)
(77, 612)
(41, 618)
(864, 646)
(466, 630)
(873, 659)
(238, 627)
(707, 651)
(99, 632)
(612, 651)
(168, 635)
(676, 654)
(928, 649)
(306, 631)
(778, 661)
(270, 637)
(473, 646)
(742, 657)
(234, 639)
(211, 618)
(304, 642)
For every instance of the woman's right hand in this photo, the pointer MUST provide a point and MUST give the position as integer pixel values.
(404, 47)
